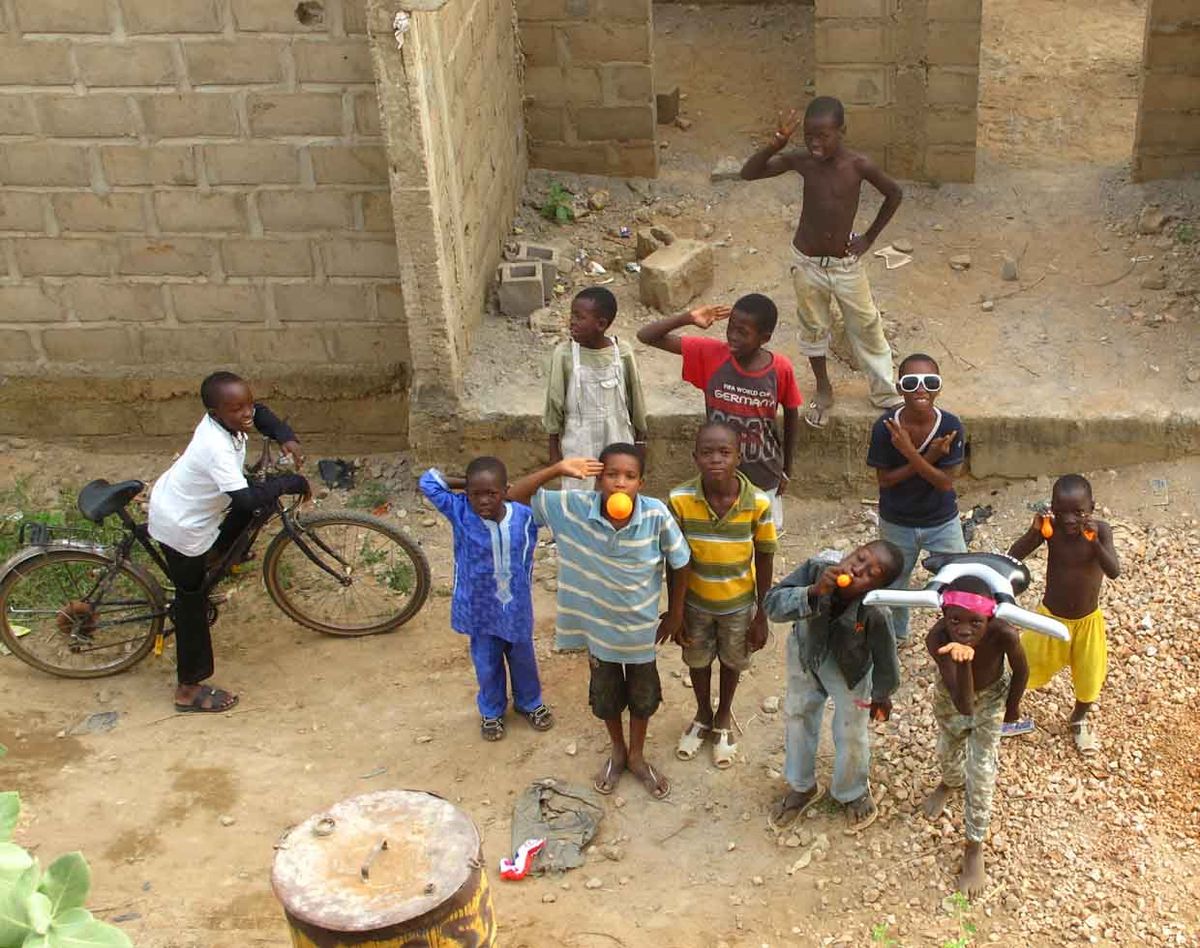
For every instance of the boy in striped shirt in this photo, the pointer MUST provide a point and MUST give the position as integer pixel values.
(731, 532)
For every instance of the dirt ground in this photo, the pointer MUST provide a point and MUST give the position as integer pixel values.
(1100, 852)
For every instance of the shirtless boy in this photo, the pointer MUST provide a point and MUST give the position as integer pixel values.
(826, 252)
(973, 693)
(1081, 554)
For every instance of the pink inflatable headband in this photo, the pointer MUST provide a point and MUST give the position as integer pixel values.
(969, 601)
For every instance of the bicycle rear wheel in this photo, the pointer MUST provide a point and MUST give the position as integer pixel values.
(384, 576)
(79, 614)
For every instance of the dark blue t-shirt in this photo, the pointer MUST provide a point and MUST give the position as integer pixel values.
(915, 502)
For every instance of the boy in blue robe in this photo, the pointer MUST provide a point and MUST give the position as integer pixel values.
(494, 541)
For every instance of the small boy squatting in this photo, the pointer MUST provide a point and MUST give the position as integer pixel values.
(839, 649)
(494, 543)
(1080, 554)
(593, 393)
(610, 577)
(729, 528)
(827, 254)
(973, 693)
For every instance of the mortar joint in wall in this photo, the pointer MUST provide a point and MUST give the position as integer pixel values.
(308, 177)
(168, 305)
(116, 16)
(179, 64)
(253, 218)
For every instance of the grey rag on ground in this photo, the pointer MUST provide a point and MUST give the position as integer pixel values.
(564, 815)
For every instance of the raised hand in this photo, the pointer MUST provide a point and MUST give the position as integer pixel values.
(581, 468)
(704, 316)
(786, 127)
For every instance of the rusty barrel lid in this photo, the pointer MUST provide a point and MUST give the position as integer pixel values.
(375, 861)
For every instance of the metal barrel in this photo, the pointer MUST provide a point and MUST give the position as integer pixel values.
(390, 869)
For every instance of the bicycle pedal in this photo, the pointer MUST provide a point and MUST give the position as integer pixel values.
(158, 645)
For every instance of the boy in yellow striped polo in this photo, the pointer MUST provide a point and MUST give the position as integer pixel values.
(729, 527)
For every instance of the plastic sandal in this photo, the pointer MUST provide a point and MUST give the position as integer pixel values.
(724, 750)
(1016, 728)
(1086, 741)
(692, 740)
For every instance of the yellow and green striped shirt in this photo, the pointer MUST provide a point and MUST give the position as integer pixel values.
(723, 548)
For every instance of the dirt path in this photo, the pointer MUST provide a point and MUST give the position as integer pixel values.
(1104, 851)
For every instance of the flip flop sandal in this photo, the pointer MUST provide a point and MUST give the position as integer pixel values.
(786, 817)
(856, 825)
(218, 701)
(652, 783)
(1016, 728)
(724, 750)
(607, 782)
(1086, 741)
(817, 416)
(692, 740)
(492, 729)
(540, 718)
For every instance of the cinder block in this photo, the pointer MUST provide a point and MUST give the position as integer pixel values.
(389, 300)
(676, 274)
(242, 61)
(558, 156)
(30, 62)
(172, 256)
(252, 164)
(1167, 131)
(333, 61)
(354, 16)
(133, 165)
(31, 304)
(845, 41)
(532, 10)
(300, 344)
(952, 44)
(190, 211)
(62, 16)
(16, 115)
(621, 123)
(1150, 167)
(275, 16)
(1174, 47)
(104, 302)
(949, 86)
(361, 258)
(295, 113)
(970, 11)
(867, 127)
(64, 256)
(545, 123)
(258, 257)
(21, 211)
(541, 46)
(98, 115)
(377, 212)
(598, 43)
(864, 85)
(16, 346)
(217, 303)
(111, 212)
(366, 114)
(853, 8)
(521, 288)
(33, 163)
(547, 256)
(368, 345)
(187, 344)
(554, 85)
(285, 211)
(951, 126)
(628, 84)
(113, 345)
(157, 16)
(349, 164)
(634, 11)
(190, 115)
(125, 64)
(331, 303)
(1166, 91)
(949, 163)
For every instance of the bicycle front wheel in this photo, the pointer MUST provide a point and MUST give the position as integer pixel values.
(376, 578)
(79, 614)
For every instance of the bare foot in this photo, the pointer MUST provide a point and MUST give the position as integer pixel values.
(861, 813)
(973, 879)
(655, 782)
(935, 803)
(794, 805)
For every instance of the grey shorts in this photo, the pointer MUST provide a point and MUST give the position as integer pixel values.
(615, 687)
(712, 636)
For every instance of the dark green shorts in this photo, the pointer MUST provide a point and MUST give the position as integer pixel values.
(615, 687)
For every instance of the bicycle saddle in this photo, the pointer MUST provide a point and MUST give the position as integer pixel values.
(100, 499)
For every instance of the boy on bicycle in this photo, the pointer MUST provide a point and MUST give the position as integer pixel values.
(199, 508)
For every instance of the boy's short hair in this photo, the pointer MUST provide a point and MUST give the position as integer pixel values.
(1073, 483)
(488, 465)
(971, 584)
(761, 309)
(892, 558)
(717, 425)
(602, 298)
(626, 449)
(826, 106)
(213, 384)
(917, 357)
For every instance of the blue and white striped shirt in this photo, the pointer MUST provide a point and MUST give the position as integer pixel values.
(609, 581)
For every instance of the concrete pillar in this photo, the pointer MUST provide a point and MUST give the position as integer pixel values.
(1166, 143)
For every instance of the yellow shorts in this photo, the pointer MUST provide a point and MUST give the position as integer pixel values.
(1086, 653)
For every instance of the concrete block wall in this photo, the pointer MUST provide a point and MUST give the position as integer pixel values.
(1167, 138)
(908, 74)
(193, 185)
(589, 85)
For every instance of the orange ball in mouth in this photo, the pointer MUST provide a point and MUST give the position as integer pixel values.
(619, 506)
(844, 580)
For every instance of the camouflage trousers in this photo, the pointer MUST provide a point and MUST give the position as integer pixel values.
(968, 750)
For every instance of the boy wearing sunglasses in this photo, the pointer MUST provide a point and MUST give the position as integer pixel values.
(917, 451)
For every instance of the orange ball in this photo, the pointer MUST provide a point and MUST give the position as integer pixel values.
(844, 580)
(619, 506)
(1089, 535)
(1047, 527)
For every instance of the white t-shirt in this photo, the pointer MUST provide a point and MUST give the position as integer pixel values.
(189, 501)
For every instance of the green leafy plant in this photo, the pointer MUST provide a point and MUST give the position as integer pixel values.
(1185, 233)
(559, 206)
(960, 907)
(45, 909)
(880, 936)
(370, 495)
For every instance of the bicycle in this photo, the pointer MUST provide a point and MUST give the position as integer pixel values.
(78, 608)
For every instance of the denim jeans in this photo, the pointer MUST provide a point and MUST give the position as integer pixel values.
(944, 538)
(804, 708)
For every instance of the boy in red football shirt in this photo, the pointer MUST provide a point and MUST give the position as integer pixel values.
(744, 384)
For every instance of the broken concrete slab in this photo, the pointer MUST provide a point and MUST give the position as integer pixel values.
(727, 169)
(673, 276)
